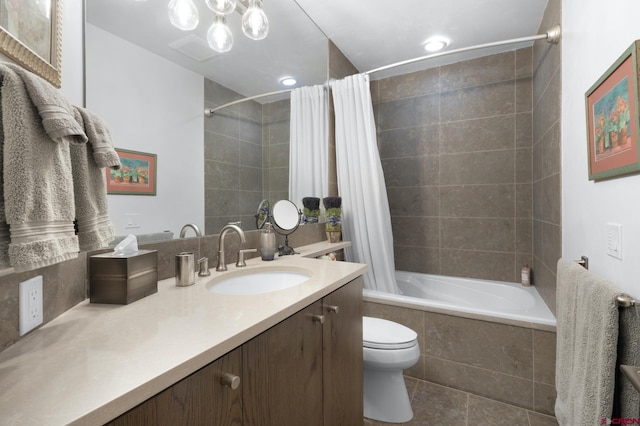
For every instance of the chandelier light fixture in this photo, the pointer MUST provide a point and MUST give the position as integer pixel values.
(183, 14)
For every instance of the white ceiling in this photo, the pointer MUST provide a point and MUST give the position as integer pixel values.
(371, 33)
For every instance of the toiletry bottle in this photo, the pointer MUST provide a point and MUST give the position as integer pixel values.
(267, 242)
(525, 276)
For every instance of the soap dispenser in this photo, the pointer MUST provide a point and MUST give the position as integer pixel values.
(267, 242)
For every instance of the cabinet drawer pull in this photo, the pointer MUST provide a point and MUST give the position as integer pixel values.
(230, 380)
(318, 318)
(333, 308)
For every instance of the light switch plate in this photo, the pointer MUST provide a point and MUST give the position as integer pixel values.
(30, 304)
(614, 240)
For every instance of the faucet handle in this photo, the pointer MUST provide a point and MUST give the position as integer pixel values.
(204, 267)
(241, 263)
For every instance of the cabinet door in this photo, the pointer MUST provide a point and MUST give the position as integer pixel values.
(202, 398)
(342, 348)
(282, 372)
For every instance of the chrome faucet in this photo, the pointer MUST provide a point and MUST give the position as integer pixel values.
(221, 266)
(193, 226)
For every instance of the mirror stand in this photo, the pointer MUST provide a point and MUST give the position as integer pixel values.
(286, 218)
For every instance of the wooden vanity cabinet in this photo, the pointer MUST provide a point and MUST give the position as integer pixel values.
(306, 370)
(210, 396)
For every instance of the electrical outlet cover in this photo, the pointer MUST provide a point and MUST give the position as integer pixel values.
(30, 304)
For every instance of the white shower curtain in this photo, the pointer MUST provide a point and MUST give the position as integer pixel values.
(366, 220)
(309, 147)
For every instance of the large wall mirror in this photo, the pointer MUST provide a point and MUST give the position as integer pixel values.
(151, 83)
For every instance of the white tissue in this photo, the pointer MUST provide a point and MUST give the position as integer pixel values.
(127, 247)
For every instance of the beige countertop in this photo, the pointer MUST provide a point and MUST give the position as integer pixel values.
(95, 361)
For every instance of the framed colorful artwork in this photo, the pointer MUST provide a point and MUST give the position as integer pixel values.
(137, 176)
(31, 35)
(612, 119)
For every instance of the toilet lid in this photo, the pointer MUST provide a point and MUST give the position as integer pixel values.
(378, 333)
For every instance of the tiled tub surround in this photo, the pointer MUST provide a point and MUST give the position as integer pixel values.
(455, 143)
(65, 284)
(501, 362)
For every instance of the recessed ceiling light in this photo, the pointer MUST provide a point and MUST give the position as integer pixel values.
(435, 44)
(288, 81)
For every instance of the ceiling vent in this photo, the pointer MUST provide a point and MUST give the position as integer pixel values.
(194, 47)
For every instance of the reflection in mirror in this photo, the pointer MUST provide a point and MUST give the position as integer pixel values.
(262, 215)
(152, 94)
(286, 217)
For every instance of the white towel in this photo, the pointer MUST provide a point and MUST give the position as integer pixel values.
(587, 335)
(89, 184)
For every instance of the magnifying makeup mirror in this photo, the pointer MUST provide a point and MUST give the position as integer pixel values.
(286, 219)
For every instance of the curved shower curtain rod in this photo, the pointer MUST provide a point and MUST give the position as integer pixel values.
(552, 36)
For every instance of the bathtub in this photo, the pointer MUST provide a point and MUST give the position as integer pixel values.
(494, 301)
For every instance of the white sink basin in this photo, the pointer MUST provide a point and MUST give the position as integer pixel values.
(257, 281)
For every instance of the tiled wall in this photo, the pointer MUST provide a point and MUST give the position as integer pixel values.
(547, 210)
(233, 159)
(275, 137)
(65, 284)
(455, 143)
(505, 363)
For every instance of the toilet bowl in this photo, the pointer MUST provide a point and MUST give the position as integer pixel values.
(388, 348)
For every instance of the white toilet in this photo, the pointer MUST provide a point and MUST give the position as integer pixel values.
(388, 348)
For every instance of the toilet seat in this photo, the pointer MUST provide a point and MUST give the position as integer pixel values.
(378, 333)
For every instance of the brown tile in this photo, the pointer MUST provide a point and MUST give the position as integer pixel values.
(524, 164)
(524, 94)
(544, 398)
(250, 131)
(524, 201)
(438, 405)
(477, 168)
(524, 132)
(551, 199)
(544, 357)
(478, 234)
(339, 64)
(278, 155)
(218, 94)
(547, 111)
(500, 387)
(411, 171)
(479, 71)
(411, 112)
(524, 236)
(524, 62)
(414, 201)
(486, 412)
(219, 175)
(551, 244)
(221, 148)
(251, 110)
(487, 265)
(477, 201)
(409, 142)
(482, 134)
(480, 101)
(276, 111)
(409, 85)
(537, 419)
(250, 180)
(424, 260)
(416, 231)
(551, 155)
(250, 154)
(545, 282)
(496, 347)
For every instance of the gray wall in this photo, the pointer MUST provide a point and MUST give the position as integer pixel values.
(275, 137)
(547, 206)
(455, 143)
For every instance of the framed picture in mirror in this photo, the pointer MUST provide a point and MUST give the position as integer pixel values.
(31, 35)
(137, 176)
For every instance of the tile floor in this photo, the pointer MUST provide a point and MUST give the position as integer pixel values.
(438, 406)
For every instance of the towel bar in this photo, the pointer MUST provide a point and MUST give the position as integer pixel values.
(584, 262)
(625, 301)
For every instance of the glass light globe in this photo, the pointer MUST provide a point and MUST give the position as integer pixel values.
(219, 35)
(223, 7)
(183, 14)
(255, 24)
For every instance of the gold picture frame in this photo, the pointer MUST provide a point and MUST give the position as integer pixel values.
(32, 37)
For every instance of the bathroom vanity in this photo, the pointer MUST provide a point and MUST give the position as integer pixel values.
(187, 355)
